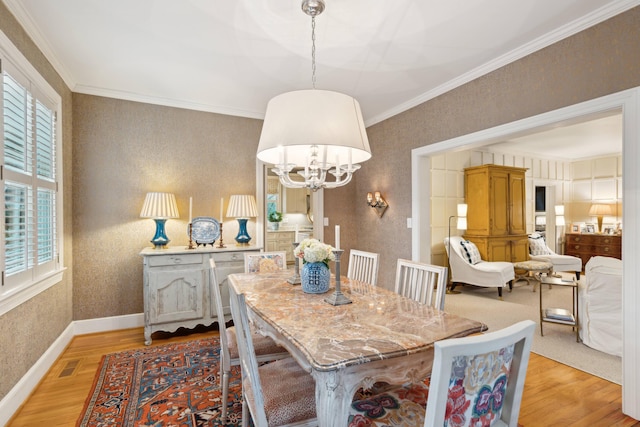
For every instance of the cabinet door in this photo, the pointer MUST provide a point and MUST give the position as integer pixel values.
(517, 213)
(295, 200)
(499, 203)
(498, 250)
(519, 250)
(176, 294)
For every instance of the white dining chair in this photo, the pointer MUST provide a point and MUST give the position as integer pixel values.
(422, 282)
(363, 266)
(474, 379)
(256, 262)
(265, 347)
(279, 393)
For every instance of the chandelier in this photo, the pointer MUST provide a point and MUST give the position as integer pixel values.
(313, 133)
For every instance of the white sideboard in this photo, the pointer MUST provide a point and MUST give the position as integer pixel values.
(176, 286)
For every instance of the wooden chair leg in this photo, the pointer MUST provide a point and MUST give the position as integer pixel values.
(245, 412)
(225, 395)
(500, 293)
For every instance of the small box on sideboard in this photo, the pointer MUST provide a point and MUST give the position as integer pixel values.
(585, 246)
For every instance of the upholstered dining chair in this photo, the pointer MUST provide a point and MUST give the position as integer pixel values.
(422, 282)
(363, 266)
(476, 380)
(279, 393)
(266, 349)
(256, 262)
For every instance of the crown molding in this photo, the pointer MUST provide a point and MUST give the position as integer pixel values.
(602, 14)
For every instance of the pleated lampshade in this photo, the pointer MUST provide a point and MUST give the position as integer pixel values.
(159, 205)
(242, 206)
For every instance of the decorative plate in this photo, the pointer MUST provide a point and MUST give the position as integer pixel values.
(204, 229)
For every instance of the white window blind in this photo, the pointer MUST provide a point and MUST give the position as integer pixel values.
(29, 179)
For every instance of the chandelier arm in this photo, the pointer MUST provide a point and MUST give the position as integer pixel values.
(286, 180)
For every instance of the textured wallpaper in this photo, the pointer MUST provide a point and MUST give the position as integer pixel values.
(593, 63)
(122, 150)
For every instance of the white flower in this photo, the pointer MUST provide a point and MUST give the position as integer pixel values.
(312, 250)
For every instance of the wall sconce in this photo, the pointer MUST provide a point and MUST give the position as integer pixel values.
(377, 202)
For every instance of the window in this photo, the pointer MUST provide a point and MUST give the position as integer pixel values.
(30, 180)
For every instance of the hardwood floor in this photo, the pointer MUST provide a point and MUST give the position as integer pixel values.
(554, 395)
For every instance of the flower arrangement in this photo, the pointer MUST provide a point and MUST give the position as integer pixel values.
(312, 250)
(275, 216)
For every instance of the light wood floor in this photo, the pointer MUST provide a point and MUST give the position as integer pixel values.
(554, 395)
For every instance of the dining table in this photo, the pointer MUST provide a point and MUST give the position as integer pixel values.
(380, 336)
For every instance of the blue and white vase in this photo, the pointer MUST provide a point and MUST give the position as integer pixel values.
(315, 277)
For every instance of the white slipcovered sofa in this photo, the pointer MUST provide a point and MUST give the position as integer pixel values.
(478, 273)
(600, 298)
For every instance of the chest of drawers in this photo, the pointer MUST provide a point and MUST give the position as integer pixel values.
(585, 246)
(176, 286)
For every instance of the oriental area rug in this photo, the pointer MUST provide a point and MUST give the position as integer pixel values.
(168, 385)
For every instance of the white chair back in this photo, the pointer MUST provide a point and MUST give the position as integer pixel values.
(511, 345)
(422, 282)
(225, 358)
(288, 385)
(256, 262)
(363, 266)
(248, 361)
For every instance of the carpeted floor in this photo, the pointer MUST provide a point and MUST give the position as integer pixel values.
(173, 384)
(559, 341)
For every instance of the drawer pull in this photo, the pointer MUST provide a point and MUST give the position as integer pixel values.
(606, 249)
(607, 240)
(234, 256)
(176, 260)
(577, 247)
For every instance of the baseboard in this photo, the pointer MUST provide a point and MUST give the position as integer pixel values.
(106, 324)
(23, 389)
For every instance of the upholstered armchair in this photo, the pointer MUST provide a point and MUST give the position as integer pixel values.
(539, 251)
(470, 269)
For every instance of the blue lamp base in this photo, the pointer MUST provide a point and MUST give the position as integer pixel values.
(160, 240)
(243, 237)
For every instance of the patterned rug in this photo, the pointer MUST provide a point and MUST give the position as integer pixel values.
(168, 385)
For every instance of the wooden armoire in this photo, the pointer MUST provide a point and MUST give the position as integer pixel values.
(496, 212)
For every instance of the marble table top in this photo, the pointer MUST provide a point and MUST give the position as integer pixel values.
(379, 324)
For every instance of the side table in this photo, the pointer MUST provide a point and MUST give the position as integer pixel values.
(560, 315)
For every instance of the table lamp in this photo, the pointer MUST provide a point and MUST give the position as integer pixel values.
(599, 210)
(242, 207)
(160, 207)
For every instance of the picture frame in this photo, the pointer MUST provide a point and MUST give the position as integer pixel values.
(589, 229)
(575, 228)
(609, 229)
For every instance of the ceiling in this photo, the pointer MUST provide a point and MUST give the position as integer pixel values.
(232, 56)
(583, 138)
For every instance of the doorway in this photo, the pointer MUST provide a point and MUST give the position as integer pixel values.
(627, 102)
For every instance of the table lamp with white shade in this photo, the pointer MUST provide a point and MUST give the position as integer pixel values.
(160, 207)
(599, 210)
(242, 207)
